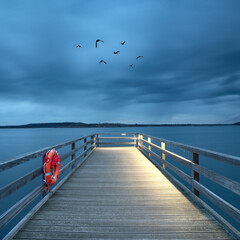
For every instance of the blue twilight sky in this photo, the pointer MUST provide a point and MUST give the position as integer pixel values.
(190, 72)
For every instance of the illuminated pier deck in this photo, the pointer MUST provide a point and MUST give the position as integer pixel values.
(119, 194)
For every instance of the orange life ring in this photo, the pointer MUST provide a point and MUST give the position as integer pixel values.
(51, 167)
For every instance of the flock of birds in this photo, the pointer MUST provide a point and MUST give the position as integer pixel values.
(116, 52)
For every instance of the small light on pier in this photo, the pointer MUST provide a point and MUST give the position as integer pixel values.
(124, 134)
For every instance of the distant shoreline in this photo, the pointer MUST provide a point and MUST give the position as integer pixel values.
(105, 125)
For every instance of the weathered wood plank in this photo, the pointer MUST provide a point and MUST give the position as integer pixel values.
(165, 235)
(125, 229)
(129, 210)
(119, 222)
(130, 200)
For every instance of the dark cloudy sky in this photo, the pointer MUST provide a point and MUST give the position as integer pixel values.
(190, 72)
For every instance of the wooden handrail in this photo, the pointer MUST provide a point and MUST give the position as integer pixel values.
(14, 210)
(146, 145)
(116, 133)
(15, 185)
(180, 173)
(125, 138)
(7, 190)
(174, 156)
(26, 157)
(116, 143)
(233, 160)
(228, 208)
(20, 205)
(70, 164)
(218, 201)
(132, 139)
(75, 150)
(217, 178)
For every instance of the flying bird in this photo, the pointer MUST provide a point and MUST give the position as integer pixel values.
(78, 46)
(131, 65)
(116, 52)
(98, 40)
(139, 57)
(102, 61)
(123, 42)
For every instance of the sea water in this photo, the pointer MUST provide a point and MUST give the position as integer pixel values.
(224, 139)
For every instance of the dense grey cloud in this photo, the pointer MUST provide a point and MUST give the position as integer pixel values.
(190, 72)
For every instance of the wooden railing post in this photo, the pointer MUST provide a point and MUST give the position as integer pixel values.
(73, 155)
(85, 148)
(135, 140)
(98, 135)
(92, 140)
(139, 141)
(195, 175)
(44, 193)
(149, 146)
(163, 154)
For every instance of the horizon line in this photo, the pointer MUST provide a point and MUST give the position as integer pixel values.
(114, 123)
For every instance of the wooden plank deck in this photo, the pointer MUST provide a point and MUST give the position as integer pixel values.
(119, 194)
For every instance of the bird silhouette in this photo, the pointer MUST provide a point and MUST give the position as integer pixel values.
(116, 52)
(139, 57)
(123, 42)
(98, 40)
(78, 46)
(131, 65)
(102, 61)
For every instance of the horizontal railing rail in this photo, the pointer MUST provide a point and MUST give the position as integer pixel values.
(87, 145)
(26, 157)
(116, 139)
(158, 154)
(229, 159)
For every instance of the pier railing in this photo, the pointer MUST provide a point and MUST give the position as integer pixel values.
(190, 172)
(179, 162)
(78, 150)
(116, 139)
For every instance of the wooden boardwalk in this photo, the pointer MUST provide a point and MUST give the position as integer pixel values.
(119, 194)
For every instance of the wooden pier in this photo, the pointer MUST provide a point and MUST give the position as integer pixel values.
(117, 193)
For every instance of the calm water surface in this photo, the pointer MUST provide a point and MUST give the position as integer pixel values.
(225, 139)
